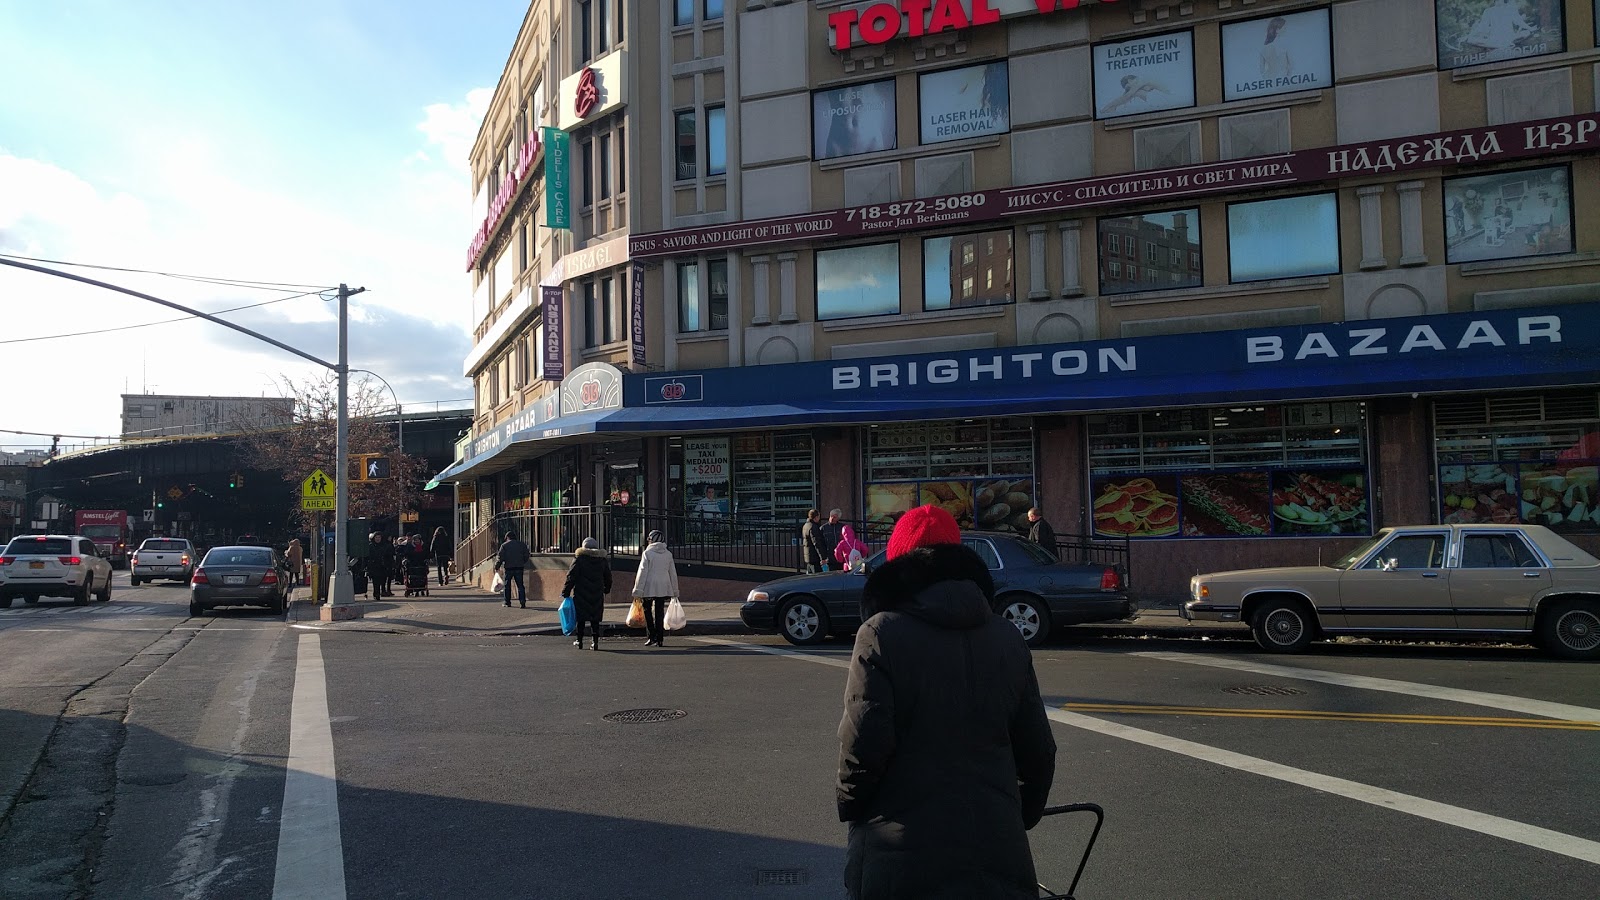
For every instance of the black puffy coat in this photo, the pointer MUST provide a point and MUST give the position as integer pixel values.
(588, 583)
(945, 752)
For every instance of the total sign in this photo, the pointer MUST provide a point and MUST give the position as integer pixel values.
(879, 23)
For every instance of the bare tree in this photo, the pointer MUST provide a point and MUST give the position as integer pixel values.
(308, 443)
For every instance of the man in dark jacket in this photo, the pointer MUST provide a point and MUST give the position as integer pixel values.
(1040, 531)
(513, 556)
(811, 542)
(588, 583)
(945, 752)
(829, 533)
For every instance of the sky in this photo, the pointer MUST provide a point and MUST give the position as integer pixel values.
(298, 142)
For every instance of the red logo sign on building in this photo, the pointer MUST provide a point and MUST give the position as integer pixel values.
(590, 394)
(588, 95)
(672, 390)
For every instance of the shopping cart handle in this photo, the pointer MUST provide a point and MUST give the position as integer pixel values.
(1099, 819)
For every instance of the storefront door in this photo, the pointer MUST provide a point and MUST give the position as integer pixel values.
(619, 487)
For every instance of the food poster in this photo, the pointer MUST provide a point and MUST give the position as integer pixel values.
(1485, 493)
(1001, 504)
(1565, 496)
(1232, 504)
(1137, 506)
(887, 502)
(1322, 502)
(954, 497)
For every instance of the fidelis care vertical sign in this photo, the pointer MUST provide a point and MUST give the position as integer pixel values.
(557, 178)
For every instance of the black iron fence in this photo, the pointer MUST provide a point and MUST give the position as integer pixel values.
(728, 540)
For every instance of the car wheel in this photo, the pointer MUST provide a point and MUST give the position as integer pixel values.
(133, 579)
(195, 609)
(105, 592)
(803, 621)
(277, 605)
(30, 599)
(82, 597)
(1571, 629)
(1283, 626)
(5, 602)
(1029, 615)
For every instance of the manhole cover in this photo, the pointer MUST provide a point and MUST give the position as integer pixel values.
(781, 877)
(1264, 690)
(644, 716)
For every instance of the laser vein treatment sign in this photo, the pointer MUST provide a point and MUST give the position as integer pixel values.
(1144, 75)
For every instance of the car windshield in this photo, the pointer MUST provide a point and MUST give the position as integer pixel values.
(1037, 553)
(1355, 555)
(39, 546)
(103, 532)
(164, 545)
(238, 556)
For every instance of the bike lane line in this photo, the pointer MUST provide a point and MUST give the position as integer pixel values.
(310, 852)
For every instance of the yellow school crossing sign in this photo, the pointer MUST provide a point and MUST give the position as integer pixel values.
(316, 492)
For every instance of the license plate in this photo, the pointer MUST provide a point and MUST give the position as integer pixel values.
(233, 579)
(160, 568)
(36, 565)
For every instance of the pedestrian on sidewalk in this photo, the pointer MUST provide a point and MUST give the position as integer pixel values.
(945, 752)
(415, 567)
(513, 557)
(849, 551)
(295, 558)
(812, 550)
(655, 584)
(1040, 531)
(588, 583)
(442, 552)
(829, 533)
(378, 559)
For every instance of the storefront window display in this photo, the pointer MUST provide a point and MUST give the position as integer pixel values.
(774, 476)
(981, 471)
(1256, 471)
(1505, 215)
(519, 491)
(1544, 470)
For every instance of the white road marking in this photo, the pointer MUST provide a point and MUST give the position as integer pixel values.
(1365, 682)
(1483, 823)
(310, 854)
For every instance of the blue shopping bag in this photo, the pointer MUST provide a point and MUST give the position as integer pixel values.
(569, 616)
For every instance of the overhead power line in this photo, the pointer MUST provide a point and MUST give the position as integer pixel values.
(70, 334)
(237, 282)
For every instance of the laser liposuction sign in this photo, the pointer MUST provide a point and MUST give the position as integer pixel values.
(1144, 74)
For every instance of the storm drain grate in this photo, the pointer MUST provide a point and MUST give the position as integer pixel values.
(781, 877)
(644, 716)
(1264, 690)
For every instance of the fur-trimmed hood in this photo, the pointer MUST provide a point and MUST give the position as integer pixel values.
(589, 551)
(946, 585)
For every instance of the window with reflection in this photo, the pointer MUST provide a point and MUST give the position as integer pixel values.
(967, 270)
(1171, 257)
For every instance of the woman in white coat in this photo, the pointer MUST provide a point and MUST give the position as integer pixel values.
(654, 585)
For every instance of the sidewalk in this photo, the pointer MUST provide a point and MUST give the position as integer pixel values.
(458, 609)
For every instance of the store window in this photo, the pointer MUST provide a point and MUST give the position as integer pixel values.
(1520, 458)
(1172, 241)
(850, 120)
(1505, 215)
(602, 172)
(981, 471)
(519, 492)
(1287, 237)
(1471, 32)
(599, 319)
(683, 12)
(717, 293)
(774, 476)
(970, 102)
(713, 10)
(689, 296)
(1294, 470)
(586, 167)
(954, 266)
(687, 154)
(594, 28)
(858, 281)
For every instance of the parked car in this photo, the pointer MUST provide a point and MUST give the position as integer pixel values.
(161, 557)
(1033, 590)
(239, 576)
(53, 565)
(1456, 580)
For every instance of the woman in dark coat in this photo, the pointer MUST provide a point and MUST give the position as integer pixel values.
(945, 752)
(588, 583)
(442, 550)
(379, 560)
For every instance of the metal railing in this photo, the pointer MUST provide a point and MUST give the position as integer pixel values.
(722, 540)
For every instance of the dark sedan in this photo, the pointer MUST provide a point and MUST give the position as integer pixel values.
(1033, 590)
(239, 576)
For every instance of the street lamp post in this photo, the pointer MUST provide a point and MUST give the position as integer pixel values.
(341, 603)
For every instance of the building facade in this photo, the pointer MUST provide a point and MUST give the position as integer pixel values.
(1239, 281)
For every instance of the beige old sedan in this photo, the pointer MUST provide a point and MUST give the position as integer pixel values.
(1458, 580)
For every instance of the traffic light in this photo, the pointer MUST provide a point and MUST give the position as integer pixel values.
(233, 480)
(161, 504)
(377, 467)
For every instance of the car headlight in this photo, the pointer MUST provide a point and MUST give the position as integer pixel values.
(757, 596)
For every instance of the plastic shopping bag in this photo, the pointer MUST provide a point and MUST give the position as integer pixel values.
(636, 614)
(674, 619)
(569, 616)
(499, 583)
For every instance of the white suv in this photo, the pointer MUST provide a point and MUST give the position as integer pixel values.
(53, 565)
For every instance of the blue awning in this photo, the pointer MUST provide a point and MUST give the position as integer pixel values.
(527, 444)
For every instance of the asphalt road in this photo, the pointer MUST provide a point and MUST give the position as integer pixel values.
(448, 766)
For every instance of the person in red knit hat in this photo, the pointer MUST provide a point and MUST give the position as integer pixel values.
(945, 752)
